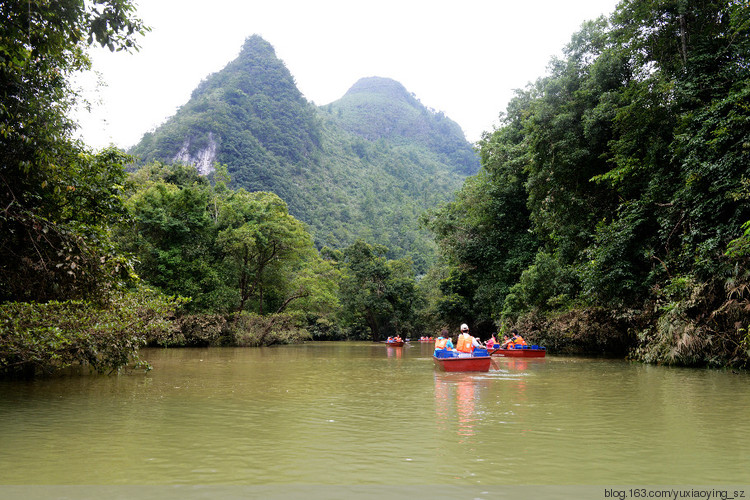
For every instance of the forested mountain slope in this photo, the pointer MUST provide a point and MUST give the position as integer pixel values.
(382, 109)
(364, 166)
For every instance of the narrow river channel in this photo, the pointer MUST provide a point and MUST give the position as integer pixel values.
(363, 414)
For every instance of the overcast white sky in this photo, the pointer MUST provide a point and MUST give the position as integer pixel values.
(462, 57)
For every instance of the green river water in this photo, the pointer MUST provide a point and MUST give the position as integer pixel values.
(308, 420)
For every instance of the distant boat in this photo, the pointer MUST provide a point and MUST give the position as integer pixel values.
(466, 364)
(394, 343)
(529, 351)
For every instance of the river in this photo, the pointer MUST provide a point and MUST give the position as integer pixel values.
(364, 415)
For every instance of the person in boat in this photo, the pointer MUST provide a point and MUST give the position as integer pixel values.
(516, 340)
(466, 343)
(443, 342)
(490, 344)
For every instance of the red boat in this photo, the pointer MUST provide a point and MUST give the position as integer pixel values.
(395, 343)
(521, 352)
(467, 364)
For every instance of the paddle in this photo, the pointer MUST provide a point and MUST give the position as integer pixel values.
(492, 360)
(494, 363)
(502, 346)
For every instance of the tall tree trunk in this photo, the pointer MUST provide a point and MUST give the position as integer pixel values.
(373, 324)
(683, 39)
(260, 299)
(244, 294)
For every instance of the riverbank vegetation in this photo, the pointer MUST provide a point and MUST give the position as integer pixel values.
(611, 204)
(610, 214)
(241, 255)
(67, 293)
(42, 338)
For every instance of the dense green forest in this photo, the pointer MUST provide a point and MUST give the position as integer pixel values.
(235, 252)
(610, 213)
(66, 292)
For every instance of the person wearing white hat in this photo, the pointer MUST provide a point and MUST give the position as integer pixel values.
(466, 343)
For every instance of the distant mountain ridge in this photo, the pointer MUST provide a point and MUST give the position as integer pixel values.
(380, 108)
(364, 166)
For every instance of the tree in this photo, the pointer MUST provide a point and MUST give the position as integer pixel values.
(378, 297)
(219, 247)
(485, 234)
(59, 202)
(173, 236)
(632, 155)
(56, 199)
(260, 240)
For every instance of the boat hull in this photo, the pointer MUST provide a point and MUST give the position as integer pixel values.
(472, 364)
(521, 353)
(395, 344)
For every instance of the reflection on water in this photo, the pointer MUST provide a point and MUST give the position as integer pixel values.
(368, 414)
(455, 401)
(457, 396)
(395, 352)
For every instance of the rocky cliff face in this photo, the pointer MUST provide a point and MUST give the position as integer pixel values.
(203, 159)
(249, 116)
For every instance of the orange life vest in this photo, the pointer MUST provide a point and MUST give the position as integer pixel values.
(441, 343)
(465, 343)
